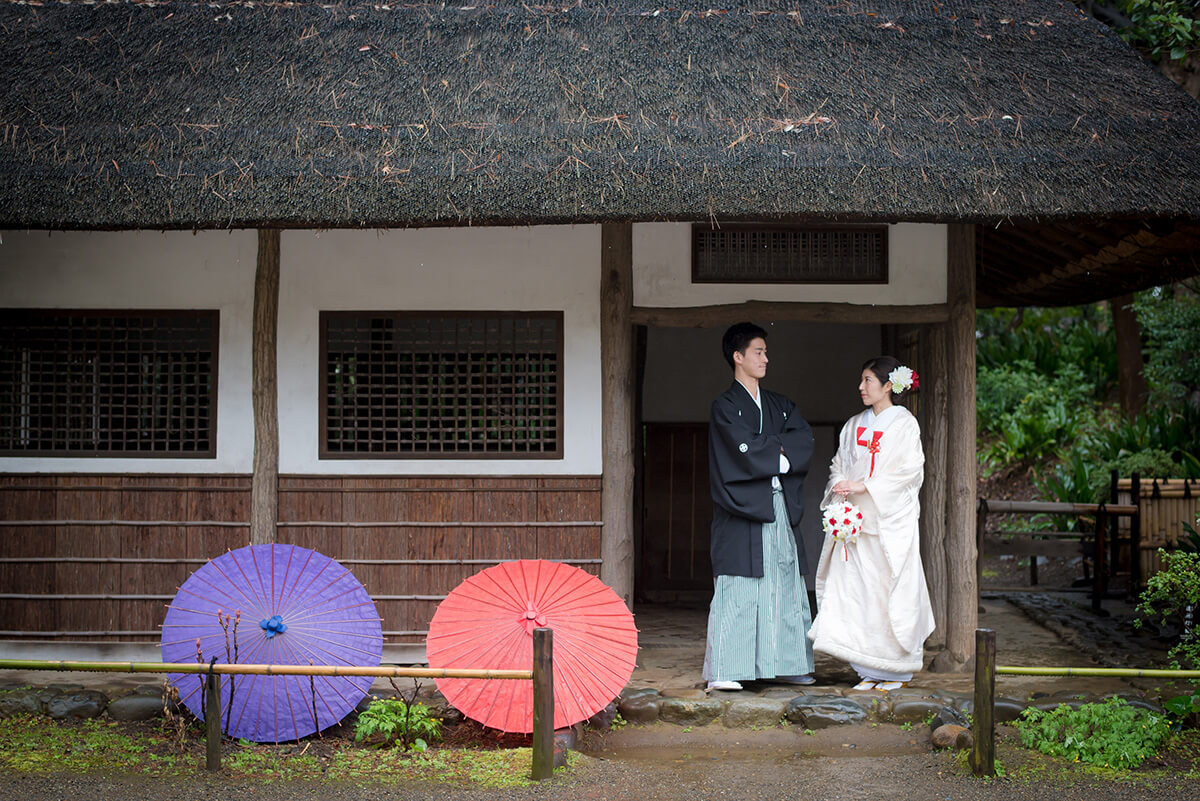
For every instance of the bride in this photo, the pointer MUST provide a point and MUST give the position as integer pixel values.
(873, 605)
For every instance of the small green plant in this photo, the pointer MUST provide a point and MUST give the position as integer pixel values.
(1111, 734)
(618, 722)
(809, 732)
(398, 721)
(906, 725)
(1172, 595)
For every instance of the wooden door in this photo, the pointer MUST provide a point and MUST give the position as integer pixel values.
(677, 511)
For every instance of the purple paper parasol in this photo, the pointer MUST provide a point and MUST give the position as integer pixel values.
(278, 605)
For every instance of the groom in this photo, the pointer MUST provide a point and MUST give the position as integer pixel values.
(758, 452)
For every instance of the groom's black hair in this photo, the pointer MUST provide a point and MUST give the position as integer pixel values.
(737, 338)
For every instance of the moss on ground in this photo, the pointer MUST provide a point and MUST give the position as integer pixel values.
(39, 745)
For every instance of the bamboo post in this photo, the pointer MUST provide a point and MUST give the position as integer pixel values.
(1135, 536)
(543, 704)
(212, 720)
(1100, 579)
(983, 753)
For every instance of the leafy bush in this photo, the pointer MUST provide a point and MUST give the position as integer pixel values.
(1111, 734)
(1170, 320)
(1171, 596)
(395, 720)
(1161, 28)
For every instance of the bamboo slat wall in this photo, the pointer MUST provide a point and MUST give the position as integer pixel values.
(76, 565)
(1166, 504)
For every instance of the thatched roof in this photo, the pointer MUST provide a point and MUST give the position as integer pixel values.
(180, 114)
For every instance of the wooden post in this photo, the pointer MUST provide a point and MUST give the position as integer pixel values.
(962, 597)
(981, 513)
(617, 383)
(543, 704)
(1131, 381)
(212, 721)
(264, 487)
(1135, 536)
(983, 753)
(1100, 576)
(934, 392)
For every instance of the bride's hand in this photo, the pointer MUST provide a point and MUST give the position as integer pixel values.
(845, 488)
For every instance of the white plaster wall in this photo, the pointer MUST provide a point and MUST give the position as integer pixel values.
(516, 269)
(662, 272)
(146, 270)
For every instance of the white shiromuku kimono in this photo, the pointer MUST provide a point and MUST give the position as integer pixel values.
(873, 606)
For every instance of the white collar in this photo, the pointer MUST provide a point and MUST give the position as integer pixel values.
(880, 422)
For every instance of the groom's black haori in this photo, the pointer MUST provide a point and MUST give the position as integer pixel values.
(741, 463)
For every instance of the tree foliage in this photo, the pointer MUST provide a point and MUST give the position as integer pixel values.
(1163, 29)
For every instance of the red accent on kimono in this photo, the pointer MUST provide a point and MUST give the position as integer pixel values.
(872, 446)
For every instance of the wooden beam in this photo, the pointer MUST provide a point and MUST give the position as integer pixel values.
(617, 399)
(934, 396)
(962, 609)
(264, 486)
(778, 311)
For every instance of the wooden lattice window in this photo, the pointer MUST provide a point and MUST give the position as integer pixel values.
(108, 383)
(778, 254)
(441, 384)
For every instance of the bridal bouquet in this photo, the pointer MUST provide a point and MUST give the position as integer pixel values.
(842, 521)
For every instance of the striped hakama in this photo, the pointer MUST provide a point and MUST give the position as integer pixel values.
(757, 627)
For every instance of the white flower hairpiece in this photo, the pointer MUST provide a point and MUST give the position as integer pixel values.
(903, 379)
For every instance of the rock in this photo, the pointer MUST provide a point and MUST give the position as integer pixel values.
(1047, 704)
(952, 736)
(688, 712)
(1075, 695)
(915, 710)
(449, 715)
(823, 711)
(603, 719)
(1141, 703)
(149, 689)
(566, 739)
(83, 704)
(46, 695)
(1006, 709)
(65, 688)
(560, 758)
(690, 695)
(878, 705)
(744, 714)
(640, 706)
(784, 693)
(947, 715)
(19, 702)
(136, 707)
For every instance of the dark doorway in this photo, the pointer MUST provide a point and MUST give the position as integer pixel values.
(677, 512)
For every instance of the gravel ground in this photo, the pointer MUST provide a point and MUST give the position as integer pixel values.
(712, 763)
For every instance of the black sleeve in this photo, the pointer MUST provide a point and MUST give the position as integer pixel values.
(744, 454)
(797, 441)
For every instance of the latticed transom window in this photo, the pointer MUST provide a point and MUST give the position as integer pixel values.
(108, 383)
(441, 384)
(777, 254)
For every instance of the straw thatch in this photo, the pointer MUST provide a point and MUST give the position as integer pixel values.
(176, 114)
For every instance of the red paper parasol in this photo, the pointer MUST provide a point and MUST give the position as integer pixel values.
(487, 622)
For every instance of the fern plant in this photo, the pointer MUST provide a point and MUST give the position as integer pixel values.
(396, 721)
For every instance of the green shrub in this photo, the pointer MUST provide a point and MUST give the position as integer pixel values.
(1111, 734)
(395, 720)
(1170, 319)
(1170, 595)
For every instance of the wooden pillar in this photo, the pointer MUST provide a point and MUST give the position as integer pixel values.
(264, 487)
(1131, 381)
(617, 398)
(934, 394)
(962, 604)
